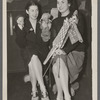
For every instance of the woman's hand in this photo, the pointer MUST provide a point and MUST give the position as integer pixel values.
(59, 52)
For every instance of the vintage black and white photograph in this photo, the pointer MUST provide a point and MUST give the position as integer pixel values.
(49, 50)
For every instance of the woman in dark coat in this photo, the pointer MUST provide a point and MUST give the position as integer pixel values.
(68, 60)
(36, 48)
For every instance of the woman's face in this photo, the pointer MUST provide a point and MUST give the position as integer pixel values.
(33, 12)
(63, 6)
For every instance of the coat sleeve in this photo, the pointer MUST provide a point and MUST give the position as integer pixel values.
(76, 46)
(20, 37)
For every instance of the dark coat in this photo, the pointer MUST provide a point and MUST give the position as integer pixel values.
(68, 47)
(32, 41)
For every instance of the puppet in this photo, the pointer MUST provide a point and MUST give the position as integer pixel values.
(45, 25)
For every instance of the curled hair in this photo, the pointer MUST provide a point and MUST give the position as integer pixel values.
(73, 5)
(30, 3)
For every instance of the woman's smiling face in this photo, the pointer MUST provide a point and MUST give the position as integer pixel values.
(63, 6)
(33, 12)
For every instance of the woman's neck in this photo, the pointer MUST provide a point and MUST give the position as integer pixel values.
(33, 23)
(65, 13)
(32, 20)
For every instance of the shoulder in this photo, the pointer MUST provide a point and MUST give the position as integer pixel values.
(56, 20)
(81, 16)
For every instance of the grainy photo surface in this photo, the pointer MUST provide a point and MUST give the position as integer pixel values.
(49, 50)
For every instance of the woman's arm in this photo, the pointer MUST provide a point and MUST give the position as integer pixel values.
(78, 45)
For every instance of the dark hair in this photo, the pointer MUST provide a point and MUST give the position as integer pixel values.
(34, 3)
(73, 5)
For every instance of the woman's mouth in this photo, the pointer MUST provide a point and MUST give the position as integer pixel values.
(60, 8)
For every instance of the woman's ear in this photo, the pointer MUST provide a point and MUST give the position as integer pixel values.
(27, 11)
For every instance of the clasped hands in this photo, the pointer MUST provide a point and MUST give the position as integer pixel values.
(58, 52)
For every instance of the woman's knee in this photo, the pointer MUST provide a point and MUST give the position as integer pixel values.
(60, 66)
(34, 57)
(56, 66)
(55, 69)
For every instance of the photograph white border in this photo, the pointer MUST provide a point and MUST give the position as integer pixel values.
(94, 50)
(4, 50)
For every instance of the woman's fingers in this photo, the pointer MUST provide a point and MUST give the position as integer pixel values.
(59, 52)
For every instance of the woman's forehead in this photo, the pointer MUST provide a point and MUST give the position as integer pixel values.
(33, 7)
(61, 0)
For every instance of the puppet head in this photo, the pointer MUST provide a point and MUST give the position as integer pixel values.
(20, 20)
(45, 21)
(45, 25)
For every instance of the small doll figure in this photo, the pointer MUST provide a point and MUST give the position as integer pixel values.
(20, 41)
(20, 21)
(19, 31)
(45, 25)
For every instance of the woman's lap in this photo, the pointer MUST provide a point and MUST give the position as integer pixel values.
(73, 61)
